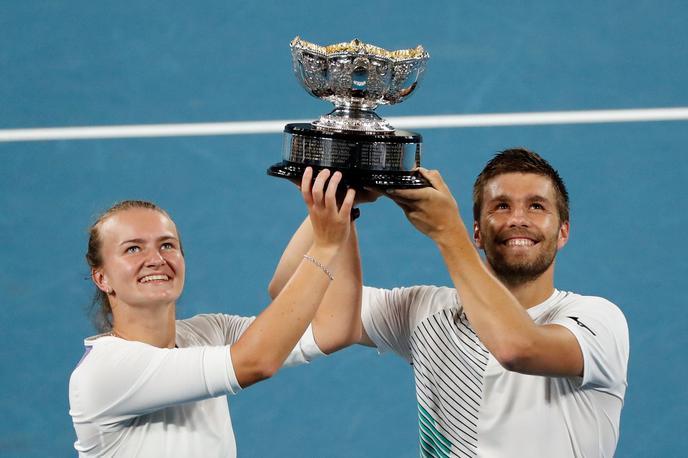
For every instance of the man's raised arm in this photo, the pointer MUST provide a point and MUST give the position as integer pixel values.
(498, 318)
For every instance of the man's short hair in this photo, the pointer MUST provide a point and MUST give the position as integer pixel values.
(520, 160)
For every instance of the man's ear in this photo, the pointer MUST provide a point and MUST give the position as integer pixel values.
(476, 235)
(563, 235)
(100, 280)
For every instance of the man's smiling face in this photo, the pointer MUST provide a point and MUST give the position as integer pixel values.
(519, 229)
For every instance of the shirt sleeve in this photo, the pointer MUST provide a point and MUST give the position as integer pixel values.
(305, 351)
(121, 379)
(232, 327)
(213, 329)
(602, 333)
(390, 316)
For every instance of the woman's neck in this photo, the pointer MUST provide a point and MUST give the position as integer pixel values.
(152, 325)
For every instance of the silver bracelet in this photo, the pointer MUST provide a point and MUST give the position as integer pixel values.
(317, 263)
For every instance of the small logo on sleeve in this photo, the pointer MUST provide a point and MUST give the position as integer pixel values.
(582, 325)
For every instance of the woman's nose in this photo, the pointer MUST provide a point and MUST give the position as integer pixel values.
(155, 259)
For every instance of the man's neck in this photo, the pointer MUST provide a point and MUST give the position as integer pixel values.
(532, 293)
(152, 325)
(529, 295)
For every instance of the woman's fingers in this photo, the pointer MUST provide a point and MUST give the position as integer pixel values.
(331, 223)
(319, 187)
(348, 203)
(321, 193)
(331, 193)
(306, 186)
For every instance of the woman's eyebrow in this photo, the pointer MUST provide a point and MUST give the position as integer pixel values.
(159, 239)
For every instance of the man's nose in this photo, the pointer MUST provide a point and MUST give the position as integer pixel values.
(518, 218)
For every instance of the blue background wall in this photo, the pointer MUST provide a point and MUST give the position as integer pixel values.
(101, 63)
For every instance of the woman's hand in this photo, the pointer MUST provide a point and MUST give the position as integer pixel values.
(364, 195)
(331, 222)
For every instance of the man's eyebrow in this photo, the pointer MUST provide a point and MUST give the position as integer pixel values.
(159, 239)
(499, 197)
(537, 197)
(530, 198)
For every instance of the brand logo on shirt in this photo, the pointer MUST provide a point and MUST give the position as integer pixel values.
(582, 325)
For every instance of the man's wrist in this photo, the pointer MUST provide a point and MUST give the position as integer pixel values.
(452, 237)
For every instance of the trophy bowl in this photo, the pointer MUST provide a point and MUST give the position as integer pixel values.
(356, 77)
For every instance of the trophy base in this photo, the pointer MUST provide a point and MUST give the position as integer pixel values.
(354, 178)
(376, 159)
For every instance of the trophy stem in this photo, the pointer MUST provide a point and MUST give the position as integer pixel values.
(352, 119)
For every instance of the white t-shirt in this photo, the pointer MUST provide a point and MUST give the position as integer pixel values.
(131, 399)
(469, 405)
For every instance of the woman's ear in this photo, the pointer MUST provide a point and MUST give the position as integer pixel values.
(100, 280)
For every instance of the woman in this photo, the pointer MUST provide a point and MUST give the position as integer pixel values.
(155, 387)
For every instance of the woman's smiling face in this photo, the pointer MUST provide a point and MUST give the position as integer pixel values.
(143, 264)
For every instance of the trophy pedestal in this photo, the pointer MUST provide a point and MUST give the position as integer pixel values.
(380, 159)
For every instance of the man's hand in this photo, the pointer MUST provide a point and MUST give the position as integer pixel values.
(432, 210)
(367, 195)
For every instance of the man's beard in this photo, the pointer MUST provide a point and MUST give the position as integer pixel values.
(515, 272)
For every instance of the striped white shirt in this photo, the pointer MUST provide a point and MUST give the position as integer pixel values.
(469, 406)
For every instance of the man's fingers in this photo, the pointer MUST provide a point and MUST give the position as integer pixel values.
(409, 195)
(398, 199)
(405, 204)
(418, 194)
(368, 194)
(434, 177)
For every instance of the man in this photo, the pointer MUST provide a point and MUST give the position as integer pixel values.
(505, 364)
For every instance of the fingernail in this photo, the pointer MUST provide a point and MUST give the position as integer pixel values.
(389, 191)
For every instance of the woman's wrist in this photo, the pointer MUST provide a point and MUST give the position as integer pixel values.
(324, 254)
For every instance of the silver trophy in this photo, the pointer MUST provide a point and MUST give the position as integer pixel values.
(352, 138)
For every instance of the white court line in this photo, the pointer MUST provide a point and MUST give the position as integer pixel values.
(406, 122)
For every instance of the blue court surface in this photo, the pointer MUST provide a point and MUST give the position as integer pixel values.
(82, 63)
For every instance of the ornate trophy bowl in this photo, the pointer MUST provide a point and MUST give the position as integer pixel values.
(352, 138)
